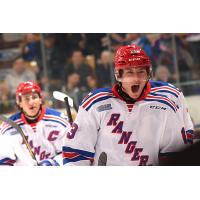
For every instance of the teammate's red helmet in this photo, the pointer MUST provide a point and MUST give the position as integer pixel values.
(27, 87)
(131, 56)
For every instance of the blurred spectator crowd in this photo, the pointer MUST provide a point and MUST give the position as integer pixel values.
(78, 63)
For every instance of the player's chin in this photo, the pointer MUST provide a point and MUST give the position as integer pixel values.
(135, 95)
(33, 112)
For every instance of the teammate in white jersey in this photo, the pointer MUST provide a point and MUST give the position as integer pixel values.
(137, 122)
(44, 128)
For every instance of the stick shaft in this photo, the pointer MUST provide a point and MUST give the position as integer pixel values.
(69, 114)
(18, 128)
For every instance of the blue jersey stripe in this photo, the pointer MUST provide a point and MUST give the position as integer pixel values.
(7, 161)
(10, 127)
(155, 84)
(167, 91)
(94, 92)
(161, 101)
(15, 116)
(76, 159)
(161, 87)
(52, 112)
(93, 95)
(190, 131)
(161, 95)
(81, 152)
(81, 155)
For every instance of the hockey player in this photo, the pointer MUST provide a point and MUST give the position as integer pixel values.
(44, 128)
(137, 122)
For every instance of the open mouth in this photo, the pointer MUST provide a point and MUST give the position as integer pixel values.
(135, 88)
(32, 108)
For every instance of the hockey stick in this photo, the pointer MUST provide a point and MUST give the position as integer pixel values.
(61, 97)
(18, 128)
(68, 102)
(102, 159)
(68, 110)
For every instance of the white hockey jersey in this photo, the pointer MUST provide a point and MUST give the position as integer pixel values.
(130, 134)
(45, 138)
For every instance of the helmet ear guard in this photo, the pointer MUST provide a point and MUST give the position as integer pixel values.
(150, 72)
(118, 74)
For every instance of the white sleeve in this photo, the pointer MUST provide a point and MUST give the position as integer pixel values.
(12, 152)
(79, 147)
(7, 154)
(183, 111)
(176, 135)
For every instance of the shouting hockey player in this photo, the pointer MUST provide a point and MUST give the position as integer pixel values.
(44, 129)
(137, 122)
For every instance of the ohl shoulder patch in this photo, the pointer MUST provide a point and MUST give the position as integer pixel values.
(104, 107)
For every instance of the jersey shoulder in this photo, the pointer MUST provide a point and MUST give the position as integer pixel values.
(96, 96)
(55, 116)
(15, 116)
(5, 127)
(163, 87)
(164, 93)
(51, 111)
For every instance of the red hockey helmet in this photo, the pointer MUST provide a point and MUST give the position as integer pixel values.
(131, 56)
(27, 87)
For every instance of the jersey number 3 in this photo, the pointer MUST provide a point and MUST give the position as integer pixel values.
(72, 132)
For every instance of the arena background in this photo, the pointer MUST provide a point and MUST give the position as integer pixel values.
(100, 16)
(76, 63)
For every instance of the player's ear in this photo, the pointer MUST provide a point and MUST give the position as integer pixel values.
(18, 104)
(41, 101)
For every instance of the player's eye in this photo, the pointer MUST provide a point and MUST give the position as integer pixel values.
(141, 72)
(129, 72)
(26, 98)
(35, 96)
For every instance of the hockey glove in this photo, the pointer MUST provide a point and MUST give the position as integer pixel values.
(48, 162)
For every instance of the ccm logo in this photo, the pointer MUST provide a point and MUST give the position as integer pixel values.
(158, 107)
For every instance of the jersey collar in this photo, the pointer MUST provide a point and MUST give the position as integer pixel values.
(43, 110)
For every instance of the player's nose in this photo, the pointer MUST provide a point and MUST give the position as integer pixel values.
(135, 78)
(31, 100)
